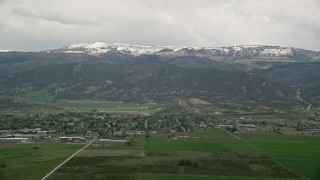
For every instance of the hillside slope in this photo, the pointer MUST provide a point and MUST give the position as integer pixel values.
(248, 75)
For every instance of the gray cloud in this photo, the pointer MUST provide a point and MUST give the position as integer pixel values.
(45, 24)
(55, 17)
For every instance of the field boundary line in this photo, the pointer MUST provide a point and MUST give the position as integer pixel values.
(271, 157)
(68, 159)
(250, 145)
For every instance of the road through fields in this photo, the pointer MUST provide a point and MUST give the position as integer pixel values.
(68, 159)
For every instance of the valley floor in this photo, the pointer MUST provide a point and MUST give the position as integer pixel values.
(206, 154)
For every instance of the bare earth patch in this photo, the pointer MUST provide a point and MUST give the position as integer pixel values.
(4, 146)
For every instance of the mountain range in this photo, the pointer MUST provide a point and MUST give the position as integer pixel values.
(250, 75)
(99, 48)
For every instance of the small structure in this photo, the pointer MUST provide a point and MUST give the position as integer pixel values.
(225, 126)
(14, 139)
(4, 131)
(249, 126)
(27, 136)
(29, 131)
(202, 125)
(114, 140)
(186, 137)
(75, 139)
(42, 132)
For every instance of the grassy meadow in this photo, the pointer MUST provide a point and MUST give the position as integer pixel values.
(298, 153)
(201, 177)
(211, 140)
(214, 154)
(47, 105)
(32, 161)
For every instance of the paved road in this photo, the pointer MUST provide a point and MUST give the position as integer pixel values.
(68, 159)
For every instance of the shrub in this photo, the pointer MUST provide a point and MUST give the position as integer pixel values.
(188, 162)
(129, 143)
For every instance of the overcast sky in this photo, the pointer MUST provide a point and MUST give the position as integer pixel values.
(32, 25)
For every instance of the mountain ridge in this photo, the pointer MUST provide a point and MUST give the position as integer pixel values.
(241, 75)
(98, 48)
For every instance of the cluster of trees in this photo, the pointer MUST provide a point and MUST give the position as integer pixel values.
(105, 124)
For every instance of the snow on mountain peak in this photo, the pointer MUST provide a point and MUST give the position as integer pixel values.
(98, 48)
(253, 50)
(277, 52)
(79, 45)
(96, 45)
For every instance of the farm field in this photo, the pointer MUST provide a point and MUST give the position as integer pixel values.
(212, 140)
(200, 177)
(298, 153)
(103, 106)
(48, 105)
(32, 161)
(214, 153)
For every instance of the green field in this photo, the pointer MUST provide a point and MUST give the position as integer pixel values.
(138, 143)
(200, 177)
(99, 105)
(32, 161)
(299, 153)
(212, 140)
(215, 153)
(49, 105)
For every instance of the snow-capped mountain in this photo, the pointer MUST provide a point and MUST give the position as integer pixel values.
(122, 72)
(100, 48)
(249, 51)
